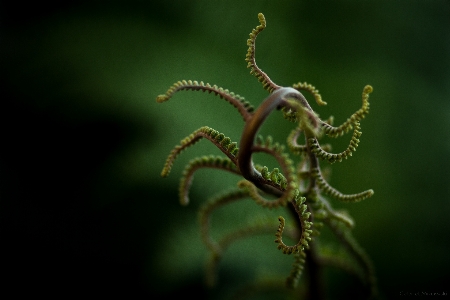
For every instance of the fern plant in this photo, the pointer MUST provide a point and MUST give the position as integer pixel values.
(301, 189)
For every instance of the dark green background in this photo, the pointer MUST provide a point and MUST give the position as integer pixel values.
(83, 209)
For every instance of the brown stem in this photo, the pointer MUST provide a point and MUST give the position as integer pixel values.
(276, 100)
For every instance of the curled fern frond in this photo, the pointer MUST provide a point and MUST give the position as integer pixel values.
(308, 87)
(267, 83)
(329, 190)
(211, 161)
(356, 117)
(292, 142)
(303, 215)
(219, 139)
(279, 240)
(331, 157)
(254, 194)
(244, 107)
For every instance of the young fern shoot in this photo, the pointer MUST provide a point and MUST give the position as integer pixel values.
(299, 190)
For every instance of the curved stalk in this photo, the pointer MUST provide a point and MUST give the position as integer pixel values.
(276, 100)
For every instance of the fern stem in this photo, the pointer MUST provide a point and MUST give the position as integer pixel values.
(276, 100)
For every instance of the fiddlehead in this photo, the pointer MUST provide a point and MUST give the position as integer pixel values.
(292, 142)
(244, 107)
(303, 216)
(329, 190)
(219, 139)
(211, 161)
(308, 87)
(356, 117)
(331, 157)
(299, 190)
(268, 84)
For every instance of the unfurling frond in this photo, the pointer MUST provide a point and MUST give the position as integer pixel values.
(292, 142)
(243, 106)
(331, 157)
(219, 139)
(250, 57)
(329, 190)
(356, 117)
(308, 87)
(279, 240)
(253, 192)
(211, 161)
(303, 216)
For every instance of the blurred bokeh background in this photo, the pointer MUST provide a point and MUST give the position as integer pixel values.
(83, 209)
